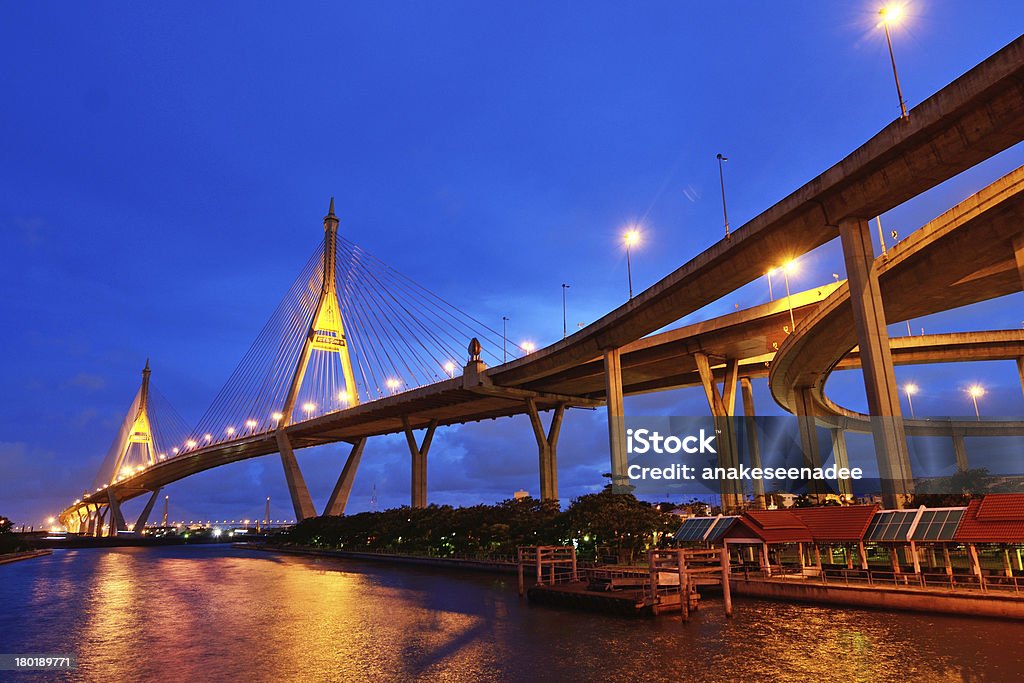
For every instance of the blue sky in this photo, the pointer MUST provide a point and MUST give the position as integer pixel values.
(165, 169)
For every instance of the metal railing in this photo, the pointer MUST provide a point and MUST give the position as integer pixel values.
(957, 582)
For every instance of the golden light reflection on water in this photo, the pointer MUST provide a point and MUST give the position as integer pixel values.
(216, 613)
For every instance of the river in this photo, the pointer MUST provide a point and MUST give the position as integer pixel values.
(217, 613)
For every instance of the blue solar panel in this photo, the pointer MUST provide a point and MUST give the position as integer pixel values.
(938, 525)
(694, 528)
(891, 525)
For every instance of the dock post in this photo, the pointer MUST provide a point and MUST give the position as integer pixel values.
(540, 570)
(726, 591)
(519, 567)
(684, 585)
(575, 574)
(653, 567)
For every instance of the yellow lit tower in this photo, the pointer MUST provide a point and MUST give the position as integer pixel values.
(140, 433)
(326, 334)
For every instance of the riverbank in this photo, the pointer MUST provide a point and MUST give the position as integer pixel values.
(482, 565)
(25, 555)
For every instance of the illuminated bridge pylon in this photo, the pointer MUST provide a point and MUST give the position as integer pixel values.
(146, 437)
(326, 335)
(350, 330)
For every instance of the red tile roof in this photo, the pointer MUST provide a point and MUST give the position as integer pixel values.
(996, 518)
(834, 524)
(770, 526)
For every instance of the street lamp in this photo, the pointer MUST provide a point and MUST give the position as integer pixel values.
(890, 16)
(789, 267)
(449, 367)
(565, 329)
(771, 295)
(528, 346)
(504, 339)
(976, 391)
(910, 388)
(630, 238)
(721, 179)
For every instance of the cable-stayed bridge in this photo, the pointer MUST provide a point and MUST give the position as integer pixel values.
(356, 350)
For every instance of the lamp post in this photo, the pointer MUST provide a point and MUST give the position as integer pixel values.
(771, 295)
(976, 391)
(721, 180)
(910, 388)
(890, 15)
(630, 238)
(504, 339)
(565, 328)
(786, 269)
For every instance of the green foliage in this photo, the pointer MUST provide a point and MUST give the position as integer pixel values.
(9, 541)
(958, 488)
(605, 519)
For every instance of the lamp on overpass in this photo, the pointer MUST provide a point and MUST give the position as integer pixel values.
(910, 388)
(891, 15)
(976, 391)
(787, 268)
(631, 237)
(771, 294)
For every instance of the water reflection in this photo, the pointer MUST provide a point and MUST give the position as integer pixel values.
(215, 613)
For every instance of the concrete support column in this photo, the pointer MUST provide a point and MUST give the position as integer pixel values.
(616, 421)
(339, 496)
(753, 445)
(140, 523)
(876, 362)
(301, 500)
(960, 451)
(842, 459)
(723, 408)
(100, 516)
(419, 461)
(547, 444)
(1020, 371)
(809, 440)
(116, 518)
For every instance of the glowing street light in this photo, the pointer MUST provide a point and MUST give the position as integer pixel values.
(191, 443)
(229, 431)
(721, 179)
(790, 267)
(449, 367)
(910, 388)
(528, 346)
(207, 438)
(309, 407)
(277, 417)
(976, 391)
(630, 238)
(393, 384)
(890, 17)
